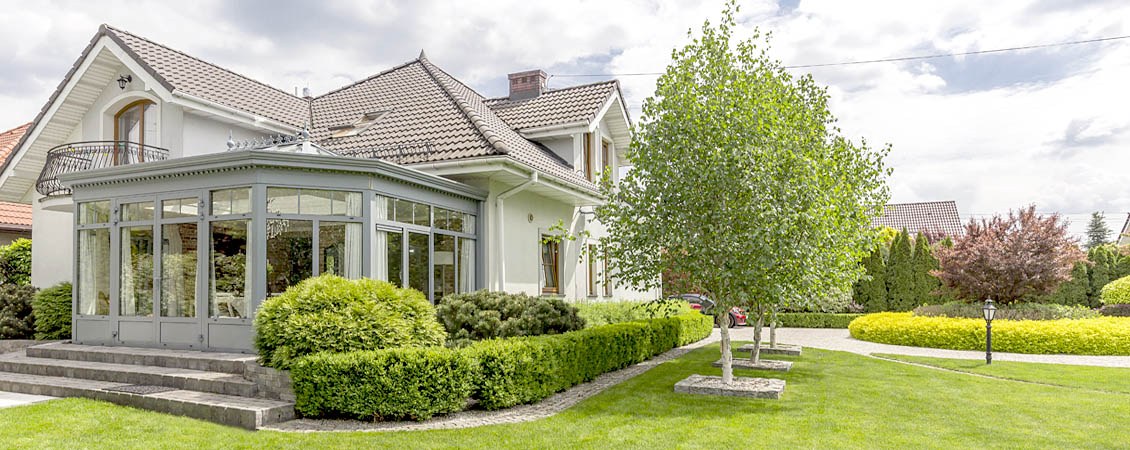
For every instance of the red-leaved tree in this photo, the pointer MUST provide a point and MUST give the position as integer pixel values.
(1009, 258)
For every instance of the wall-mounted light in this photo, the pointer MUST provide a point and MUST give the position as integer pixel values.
(124, 80)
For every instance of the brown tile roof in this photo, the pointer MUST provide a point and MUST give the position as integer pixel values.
(922, 216)
(15, 215)
(10, 138)
(193, 76)
(431, 116)
(555, 107)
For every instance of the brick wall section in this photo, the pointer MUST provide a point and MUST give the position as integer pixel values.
(528, 84)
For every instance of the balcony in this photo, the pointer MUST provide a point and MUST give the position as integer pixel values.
(80, 156)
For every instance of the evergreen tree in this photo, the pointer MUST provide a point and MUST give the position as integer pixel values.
(1107, 264)
(900, 274)
(1097, 231)
(1074, 291)
(926, 285)
(871, 290)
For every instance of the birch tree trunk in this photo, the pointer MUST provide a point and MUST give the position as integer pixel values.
(773, 326)
(727, 356)
(755, 355)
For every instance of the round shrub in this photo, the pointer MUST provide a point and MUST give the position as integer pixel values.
(17, 321)
(483, 315)
(331, 313)
(596, 313)
(1117, 292)
(1098, 336)
(52, 308)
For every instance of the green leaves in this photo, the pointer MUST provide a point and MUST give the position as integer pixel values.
(741, 184)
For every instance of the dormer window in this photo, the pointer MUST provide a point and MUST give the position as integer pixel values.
(358, 126)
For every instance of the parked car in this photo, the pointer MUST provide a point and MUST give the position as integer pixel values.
(705, 305)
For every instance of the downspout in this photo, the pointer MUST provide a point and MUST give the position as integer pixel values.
(499, 203)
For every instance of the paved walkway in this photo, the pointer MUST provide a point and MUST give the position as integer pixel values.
(9, 399)
(840, 339)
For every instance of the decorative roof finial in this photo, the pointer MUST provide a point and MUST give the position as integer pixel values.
(422, 55)
(231, 141)
(304, 133)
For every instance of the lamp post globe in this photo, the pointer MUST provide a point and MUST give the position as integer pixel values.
(989, 311)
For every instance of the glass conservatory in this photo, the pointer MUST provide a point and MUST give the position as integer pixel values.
(180, 253)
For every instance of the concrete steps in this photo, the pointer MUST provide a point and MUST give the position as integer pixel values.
(193, 380)
(250, 413)
(227, 388)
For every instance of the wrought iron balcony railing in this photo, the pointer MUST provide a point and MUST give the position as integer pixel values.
(80, 156)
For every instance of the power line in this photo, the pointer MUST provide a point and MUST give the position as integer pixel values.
(883, 60)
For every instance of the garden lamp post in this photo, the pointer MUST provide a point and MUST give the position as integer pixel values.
(990, 311)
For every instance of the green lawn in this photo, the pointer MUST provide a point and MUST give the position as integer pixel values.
(833, 400)
(1081, 377)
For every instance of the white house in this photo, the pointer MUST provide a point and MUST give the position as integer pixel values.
(145, 157)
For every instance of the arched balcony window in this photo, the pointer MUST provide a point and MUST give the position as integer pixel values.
(133, 124)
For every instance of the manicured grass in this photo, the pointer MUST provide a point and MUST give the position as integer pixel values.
(1083, 377)
(832, 400)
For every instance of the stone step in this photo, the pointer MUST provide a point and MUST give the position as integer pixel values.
(188, 379)
(250, 413)
(233, 363)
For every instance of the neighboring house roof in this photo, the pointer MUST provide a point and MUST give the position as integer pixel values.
(1124, 235)
(13, 216)
(10, 138)
(922, 216)
(555, 107)
(426, 115)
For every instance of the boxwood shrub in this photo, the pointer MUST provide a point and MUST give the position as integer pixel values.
(52, 307)
(1116, 292)
(816, 320)
(482, 315)
(390, 384)
(523, 370)
(1098, 336)
(331, 313)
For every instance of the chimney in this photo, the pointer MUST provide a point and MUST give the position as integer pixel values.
(306, 93)
(528, 84)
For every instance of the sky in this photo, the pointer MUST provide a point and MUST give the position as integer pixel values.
(993, 132)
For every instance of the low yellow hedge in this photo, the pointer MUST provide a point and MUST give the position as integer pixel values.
(1098, 336)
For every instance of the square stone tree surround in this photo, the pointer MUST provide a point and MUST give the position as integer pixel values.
(768, 388)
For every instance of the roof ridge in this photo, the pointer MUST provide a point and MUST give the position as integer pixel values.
(217, 66)
(923, 203)
(612, 81)
(369, 78)
(476, 119)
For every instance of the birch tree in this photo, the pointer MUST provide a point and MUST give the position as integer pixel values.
(741, 183)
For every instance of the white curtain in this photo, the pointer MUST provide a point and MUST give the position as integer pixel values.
(351, 265)
(127, 302)
(466, 265)
(380, 255)
(93, 268)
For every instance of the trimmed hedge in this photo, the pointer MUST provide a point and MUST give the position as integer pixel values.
(598, 313)
(331, 313)
(1117, 292)
(1015, 311)
(523, 370)
(815, 320)
(1098, 336)
(52, 308)
(391, 384)
(1115, 310)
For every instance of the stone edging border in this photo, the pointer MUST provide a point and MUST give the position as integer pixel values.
(522, 413)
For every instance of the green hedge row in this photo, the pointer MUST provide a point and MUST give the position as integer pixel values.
(391, 384)
(1098, 336)
(406, 383)
(816, 320)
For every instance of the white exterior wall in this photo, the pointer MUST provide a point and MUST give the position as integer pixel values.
(52, 251)
(203, 136)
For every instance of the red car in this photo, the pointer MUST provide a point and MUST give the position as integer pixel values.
(705, 305)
